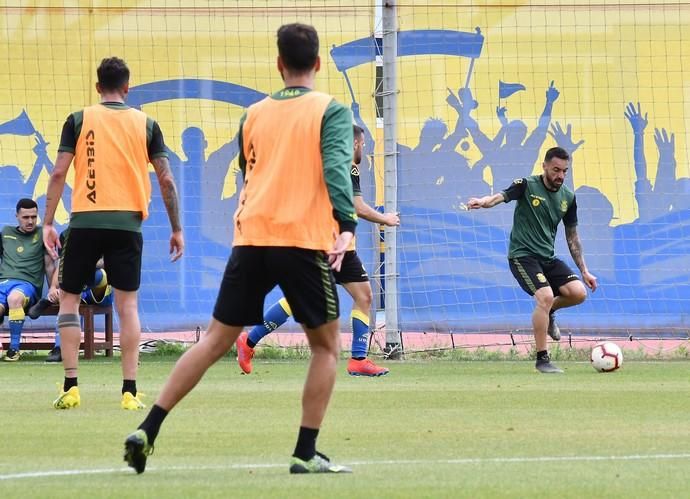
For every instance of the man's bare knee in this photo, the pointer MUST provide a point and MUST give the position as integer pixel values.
(363, 301)
(361, 293)
(544, 298)
(15, 300)
(574, 292)
(125, 305)
(579, 293)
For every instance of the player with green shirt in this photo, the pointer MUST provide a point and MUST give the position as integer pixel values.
(24, 263)
(294, 222)
(542, 202)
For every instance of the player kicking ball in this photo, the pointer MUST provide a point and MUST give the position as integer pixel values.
(542, 202)
(352, 276)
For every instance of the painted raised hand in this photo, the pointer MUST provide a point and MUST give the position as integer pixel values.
(634, 116)
(552, 93)
(665, 143)
(564, 139)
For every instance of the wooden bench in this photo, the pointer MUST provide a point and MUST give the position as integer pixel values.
(89, 345)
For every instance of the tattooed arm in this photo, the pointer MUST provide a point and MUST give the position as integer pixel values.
(575, 247)
(169, 194)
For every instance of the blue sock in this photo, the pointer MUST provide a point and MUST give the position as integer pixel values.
(16, 326)
(360, 334)
(273, 319)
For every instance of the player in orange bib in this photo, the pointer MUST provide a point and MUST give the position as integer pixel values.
(295, 154)
(111, 145)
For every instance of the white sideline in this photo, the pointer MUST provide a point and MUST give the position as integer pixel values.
(391, 462)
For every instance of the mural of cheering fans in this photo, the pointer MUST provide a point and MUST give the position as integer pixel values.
(443, 178)
(511, 153)
(202, 181)
(206, 216)
(435, 169)
(430, 173)
(14, 183)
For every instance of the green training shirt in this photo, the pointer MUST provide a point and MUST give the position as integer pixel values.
(23, 256)
(537, 215)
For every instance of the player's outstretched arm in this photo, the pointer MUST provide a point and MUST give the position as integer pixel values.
(485, 202)
(575, 247)
(170, 198)
(369, 214)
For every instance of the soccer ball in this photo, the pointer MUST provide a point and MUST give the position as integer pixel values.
(606, 357)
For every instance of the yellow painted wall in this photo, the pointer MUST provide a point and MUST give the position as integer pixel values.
(600, 56)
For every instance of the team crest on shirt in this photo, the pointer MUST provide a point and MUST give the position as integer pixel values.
(20, 249)
(564, 206)
(536, 200)
(355, 171)
(35, 238)
(541, 278)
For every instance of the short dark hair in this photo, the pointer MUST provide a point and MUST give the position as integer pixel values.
(113, 73)
(556, 152)
(298, 46)
(357, 131)
(26, 203)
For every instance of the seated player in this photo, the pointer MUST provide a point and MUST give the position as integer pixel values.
(352, 276)
(98, 292)
(24, 263)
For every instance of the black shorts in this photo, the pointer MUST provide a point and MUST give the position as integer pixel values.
(121, 251)
(303, 275)
(532, 274)
(351, 270)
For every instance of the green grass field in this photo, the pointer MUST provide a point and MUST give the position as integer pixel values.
(430, 429)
